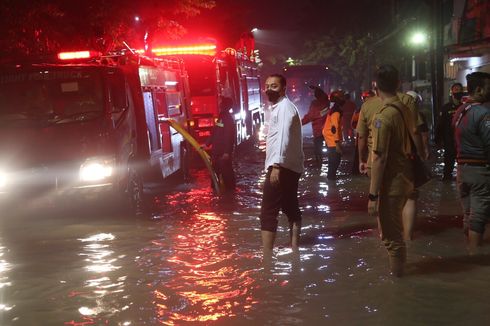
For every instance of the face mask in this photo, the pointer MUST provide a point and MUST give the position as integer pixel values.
(273, 96)
(458, 96)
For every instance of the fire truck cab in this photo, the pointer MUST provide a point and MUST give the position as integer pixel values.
(87, 124)
(214, 74)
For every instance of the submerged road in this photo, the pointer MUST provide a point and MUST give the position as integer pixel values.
(197, 260)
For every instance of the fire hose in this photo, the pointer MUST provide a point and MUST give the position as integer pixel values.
(193, 142)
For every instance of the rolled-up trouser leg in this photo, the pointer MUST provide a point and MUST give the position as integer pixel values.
(464, 197)
(390, 219)
(289, 181)
(474, 189)
(280, 197)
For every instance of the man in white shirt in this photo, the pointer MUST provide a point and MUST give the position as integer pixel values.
(284, 165)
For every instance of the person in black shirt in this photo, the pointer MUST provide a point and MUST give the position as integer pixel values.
(222, 142)
(444, 131)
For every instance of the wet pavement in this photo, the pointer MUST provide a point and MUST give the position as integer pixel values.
(197, 260)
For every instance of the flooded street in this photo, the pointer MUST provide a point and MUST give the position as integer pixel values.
(198, 260)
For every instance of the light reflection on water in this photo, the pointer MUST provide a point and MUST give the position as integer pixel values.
(198, 261)
(102, 287)
(206, 283)
(5, 268)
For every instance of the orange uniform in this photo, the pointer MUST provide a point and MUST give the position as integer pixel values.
(332, 129)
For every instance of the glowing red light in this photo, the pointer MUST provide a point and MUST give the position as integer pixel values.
(230, 51)
(205, 123)
(204, 133)
(77, 55)
(203, 49)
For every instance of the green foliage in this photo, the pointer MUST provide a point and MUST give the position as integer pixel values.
(346, 57)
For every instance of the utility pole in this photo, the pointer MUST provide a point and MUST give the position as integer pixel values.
(437, 58)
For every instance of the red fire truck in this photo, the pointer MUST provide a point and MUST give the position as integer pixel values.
(214, 74)
(87, 124)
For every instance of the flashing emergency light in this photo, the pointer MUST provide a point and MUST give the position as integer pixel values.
(230, 51)
(77, 55)
(203, 49)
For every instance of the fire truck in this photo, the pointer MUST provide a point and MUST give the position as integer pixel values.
(214, 74)
(87, 124)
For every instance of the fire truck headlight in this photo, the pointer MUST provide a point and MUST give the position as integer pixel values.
(3, 179)
(96, 170)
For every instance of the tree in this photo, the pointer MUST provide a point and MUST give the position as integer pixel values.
(51, 25)
(347, 57)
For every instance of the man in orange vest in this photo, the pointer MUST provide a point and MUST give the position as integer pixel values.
(332, 132)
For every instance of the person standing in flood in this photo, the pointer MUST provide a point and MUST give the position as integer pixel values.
(317, 115)
(391, 168)
(366, 95)
(332, 132)
(444, 131)
(222, 142)
(348, 109)
(284, 164)
(471, 124)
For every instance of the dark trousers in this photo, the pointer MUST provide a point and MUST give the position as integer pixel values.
(224, 171)
(333, 162)
(474, 193)
(318, 142)
(283, 197)
(449, 159)
(355, 162)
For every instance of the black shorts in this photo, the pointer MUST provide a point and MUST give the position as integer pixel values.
(283, 197)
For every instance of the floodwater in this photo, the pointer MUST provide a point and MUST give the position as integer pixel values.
(197, 260)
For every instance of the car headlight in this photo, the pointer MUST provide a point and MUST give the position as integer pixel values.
(96, 170)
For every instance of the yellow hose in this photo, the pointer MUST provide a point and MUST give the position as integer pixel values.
(193, 142)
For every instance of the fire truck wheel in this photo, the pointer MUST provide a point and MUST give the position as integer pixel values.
(135, 193)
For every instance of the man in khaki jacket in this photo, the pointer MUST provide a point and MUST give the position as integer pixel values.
(391, 169)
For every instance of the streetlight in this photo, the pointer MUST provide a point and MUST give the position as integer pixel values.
(417, 39)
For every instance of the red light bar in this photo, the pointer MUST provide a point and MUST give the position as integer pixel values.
(77, 55)
(204, 49)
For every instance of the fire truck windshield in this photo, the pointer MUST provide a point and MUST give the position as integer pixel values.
(55, 95)
(202, 77)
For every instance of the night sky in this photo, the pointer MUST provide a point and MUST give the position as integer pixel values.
(285, 25)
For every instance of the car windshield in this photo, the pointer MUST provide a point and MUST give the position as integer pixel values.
(202, 77)
(57, 95)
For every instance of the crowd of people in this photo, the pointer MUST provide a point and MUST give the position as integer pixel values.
(388, 130)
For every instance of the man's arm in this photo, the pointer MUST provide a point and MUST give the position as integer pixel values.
(377, 169)
(485, 133)
(362, 134)
(338, 134)
(285, 120)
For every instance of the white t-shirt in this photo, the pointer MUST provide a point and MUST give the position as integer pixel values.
(284, 143)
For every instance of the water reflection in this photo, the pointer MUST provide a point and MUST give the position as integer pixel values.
(102, 289)
(206, 284)
(5, 267)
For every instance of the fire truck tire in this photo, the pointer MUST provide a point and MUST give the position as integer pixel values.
(135, 193)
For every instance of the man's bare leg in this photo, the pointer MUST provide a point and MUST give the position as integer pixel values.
(474, 242)
(268, 238)
(408, 216)
(294, 234)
